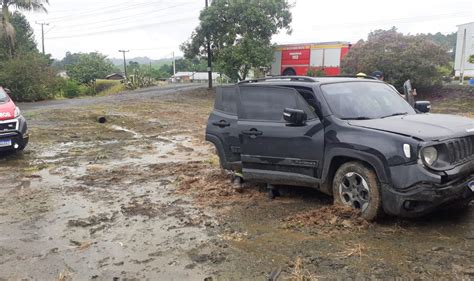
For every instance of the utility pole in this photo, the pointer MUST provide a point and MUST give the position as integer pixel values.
(42, 33)
(209, 58)
(174, 65)
(463, 57)
(124, 62)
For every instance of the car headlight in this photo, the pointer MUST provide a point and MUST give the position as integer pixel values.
(429, 155)
(17, 112)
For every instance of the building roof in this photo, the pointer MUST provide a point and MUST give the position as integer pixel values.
(114, 74)
(196, 75)
(182, 74)
(204, 75)
(469, 23)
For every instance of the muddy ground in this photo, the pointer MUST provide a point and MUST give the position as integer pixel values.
(142, 197)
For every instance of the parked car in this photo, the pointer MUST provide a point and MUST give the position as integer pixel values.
(355, 139)
(13, 127)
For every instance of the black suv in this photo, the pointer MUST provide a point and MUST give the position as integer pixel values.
(356, 139)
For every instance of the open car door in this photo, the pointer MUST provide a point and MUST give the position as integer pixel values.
(408, 91)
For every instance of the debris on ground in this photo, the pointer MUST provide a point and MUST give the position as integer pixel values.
(328, 218)
(92, 220)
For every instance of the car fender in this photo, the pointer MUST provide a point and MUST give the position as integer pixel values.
(220, 150)
(375, 161)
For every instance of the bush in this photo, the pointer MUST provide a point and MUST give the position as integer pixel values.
(114, 90)
(102, 85)
(29, 77)
(71, 89)
(400, 57)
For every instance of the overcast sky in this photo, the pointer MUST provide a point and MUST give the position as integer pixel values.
(156, 28)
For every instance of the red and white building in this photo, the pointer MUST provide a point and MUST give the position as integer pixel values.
(297, 59)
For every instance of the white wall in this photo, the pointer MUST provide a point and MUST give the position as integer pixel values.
(468, 28)
(276, 64)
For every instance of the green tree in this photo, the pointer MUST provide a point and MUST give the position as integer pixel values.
(132, 66)
(68, 59)
(400, 57)
(447, 41)
(195, 64)
(89, 67)
(7, 30)
(25, 41)
(29, 76)
(240, 33)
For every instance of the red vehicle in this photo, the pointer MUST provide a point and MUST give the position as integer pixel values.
(13, 128)
(297, 59)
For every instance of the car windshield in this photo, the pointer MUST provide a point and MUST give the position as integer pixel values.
(3, 95)
(365, 100)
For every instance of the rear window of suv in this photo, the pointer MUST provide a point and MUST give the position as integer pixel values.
(268, 103)
(226, 100)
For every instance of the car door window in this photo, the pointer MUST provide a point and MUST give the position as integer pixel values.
(226, 100)
(268, 103)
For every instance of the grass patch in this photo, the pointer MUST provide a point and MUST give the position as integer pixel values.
(118, 88)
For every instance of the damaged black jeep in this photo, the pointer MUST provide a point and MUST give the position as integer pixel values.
(356, 139)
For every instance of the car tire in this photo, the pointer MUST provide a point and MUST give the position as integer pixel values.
(357, 186)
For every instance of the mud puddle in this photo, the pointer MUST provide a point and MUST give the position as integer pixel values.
(107, 218)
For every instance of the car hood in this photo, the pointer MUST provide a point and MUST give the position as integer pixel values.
(7, 110)
(423, 126)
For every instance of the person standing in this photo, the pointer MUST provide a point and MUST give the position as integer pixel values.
(378, 74)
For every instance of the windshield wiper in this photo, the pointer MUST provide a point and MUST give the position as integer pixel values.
(357, 118)
(395, 114)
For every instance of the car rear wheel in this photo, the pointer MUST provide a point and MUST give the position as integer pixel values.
(357, 186)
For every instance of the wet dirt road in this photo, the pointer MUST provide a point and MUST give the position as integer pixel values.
(142, 197)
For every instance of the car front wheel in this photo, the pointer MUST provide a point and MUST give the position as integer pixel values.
(357, 186)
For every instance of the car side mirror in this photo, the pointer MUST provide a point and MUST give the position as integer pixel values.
(295, 116)
(7, 91)
(423, 106)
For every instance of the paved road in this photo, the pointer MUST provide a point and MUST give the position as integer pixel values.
(124, 96)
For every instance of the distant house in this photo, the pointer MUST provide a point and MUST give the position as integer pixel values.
(201, 77)
(115, 76)
(196, 77)
(62, 74)
(182, 76)
(464, 49)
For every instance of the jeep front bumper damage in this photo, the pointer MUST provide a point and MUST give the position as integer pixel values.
(428, 193)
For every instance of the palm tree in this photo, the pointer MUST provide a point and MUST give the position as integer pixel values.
(7, 30)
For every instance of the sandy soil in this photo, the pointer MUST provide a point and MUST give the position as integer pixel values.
(142, 197)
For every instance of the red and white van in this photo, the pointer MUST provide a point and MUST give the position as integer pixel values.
(13, 127)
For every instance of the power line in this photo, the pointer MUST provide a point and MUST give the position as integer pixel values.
(394, 21)
(114, 21)
(102, 11)
(121, 29)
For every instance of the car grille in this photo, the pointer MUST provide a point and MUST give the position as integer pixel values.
(461, 150)
(7, 126)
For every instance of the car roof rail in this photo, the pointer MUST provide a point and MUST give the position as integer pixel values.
(351, 76)
(269, 78)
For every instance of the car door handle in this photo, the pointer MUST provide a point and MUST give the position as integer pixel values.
(252, 132)
(221, 124)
